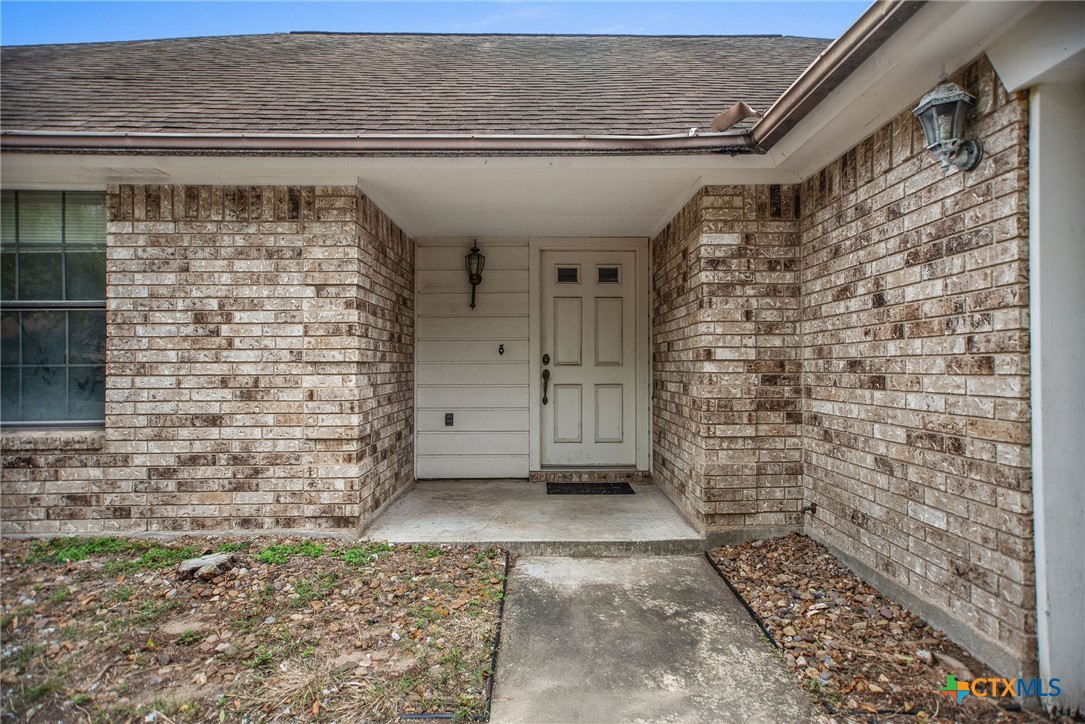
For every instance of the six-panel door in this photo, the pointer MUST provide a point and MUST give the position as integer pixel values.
(589, 334)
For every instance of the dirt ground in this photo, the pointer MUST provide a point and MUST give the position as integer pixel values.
(296, 629)
(860, 655)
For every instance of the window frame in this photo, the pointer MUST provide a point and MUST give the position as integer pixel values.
(53, 305)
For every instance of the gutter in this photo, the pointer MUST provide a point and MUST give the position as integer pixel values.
(480, 144)
(858, 43)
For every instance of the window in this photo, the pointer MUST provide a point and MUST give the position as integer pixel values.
(609, 275)
(52, 307)
(568, 275)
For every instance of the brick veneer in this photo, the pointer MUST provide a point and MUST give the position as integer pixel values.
(865, 350)
(726, 361)
(259, 369)
(916, 368)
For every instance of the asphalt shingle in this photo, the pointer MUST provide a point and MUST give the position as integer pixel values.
(311, 83)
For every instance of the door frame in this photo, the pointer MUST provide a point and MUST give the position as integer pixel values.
(643, 303)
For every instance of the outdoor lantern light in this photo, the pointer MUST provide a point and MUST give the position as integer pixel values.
(475, 264)
(942, 113)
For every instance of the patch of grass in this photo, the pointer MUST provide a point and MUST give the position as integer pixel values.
(154, 558)
(60, 550)
(40, 691)
(303, 594)
(121, 593)
(189, 637)
(152, 611)
(60, 595)
(483, 557)
(425, 552)
(279, 554)
(360, 555)
(233, 547)
(260, 657)
(20, 658)
(248, 623)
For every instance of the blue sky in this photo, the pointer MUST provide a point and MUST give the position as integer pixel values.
(26, 23)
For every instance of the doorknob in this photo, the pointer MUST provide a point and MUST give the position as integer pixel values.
(546, 383)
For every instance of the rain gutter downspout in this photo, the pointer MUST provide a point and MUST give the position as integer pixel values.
(860, 41)
(362, 143)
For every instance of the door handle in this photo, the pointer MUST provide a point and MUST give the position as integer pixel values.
(546, 383)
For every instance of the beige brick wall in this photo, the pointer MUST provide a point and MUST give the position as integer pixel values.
(916, 368)
(726, 385)
(259, 369)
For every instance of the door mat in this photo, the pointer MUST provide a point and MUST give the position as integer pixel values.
(589, 489)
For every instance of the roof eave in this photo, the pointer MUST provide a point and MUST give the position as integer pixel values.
(475, 144)
(861, 40)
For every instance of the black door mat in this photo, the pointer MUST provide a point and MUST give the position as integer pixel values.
(589, 489)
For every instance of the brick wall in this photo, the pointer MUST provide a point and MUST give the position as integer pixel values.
(916, 369)
(259, 369)
(726, 385)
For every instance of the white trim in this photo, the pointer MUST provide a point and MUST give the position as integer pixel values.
(1057, 349)
(643, 301)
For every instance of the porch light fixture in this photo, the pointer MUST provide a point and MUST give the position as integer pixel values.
(942, 114)
(476, 262)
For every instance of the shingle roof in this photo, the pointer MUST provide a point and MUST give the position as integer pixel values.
(394, 83)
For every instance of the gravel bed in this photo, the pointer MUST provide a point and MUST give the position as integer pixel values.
(107, 629)
(860, 655)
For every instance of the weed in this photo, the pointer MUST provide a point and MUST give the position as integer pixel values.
(20, 658)
(484, 556)
(80, 698)
(425, 552)
(121, 593)
(60, 595)
(260, 657)
(303, 594)
(152, 611)
(190, 637)
(280, 553)
(41, 690)
(60, 550)
(360, 555)
(153, 558)
(233, 547)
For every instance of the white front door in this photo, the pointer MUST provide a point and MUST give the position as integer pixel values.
(589, 349)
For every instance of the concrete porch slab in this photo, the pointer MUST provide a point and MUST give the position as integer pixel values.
(639, 639)
(520, 516)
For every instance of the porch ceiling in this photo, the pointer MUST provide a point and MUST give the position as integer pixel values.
(443, 196)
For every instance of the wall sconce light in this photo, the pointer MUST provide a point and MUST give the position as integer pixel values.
(942, 114)
(475, 264)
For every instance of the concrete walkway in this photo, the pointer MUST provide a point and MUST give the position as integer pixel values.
(635, 639)
(520, 516)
